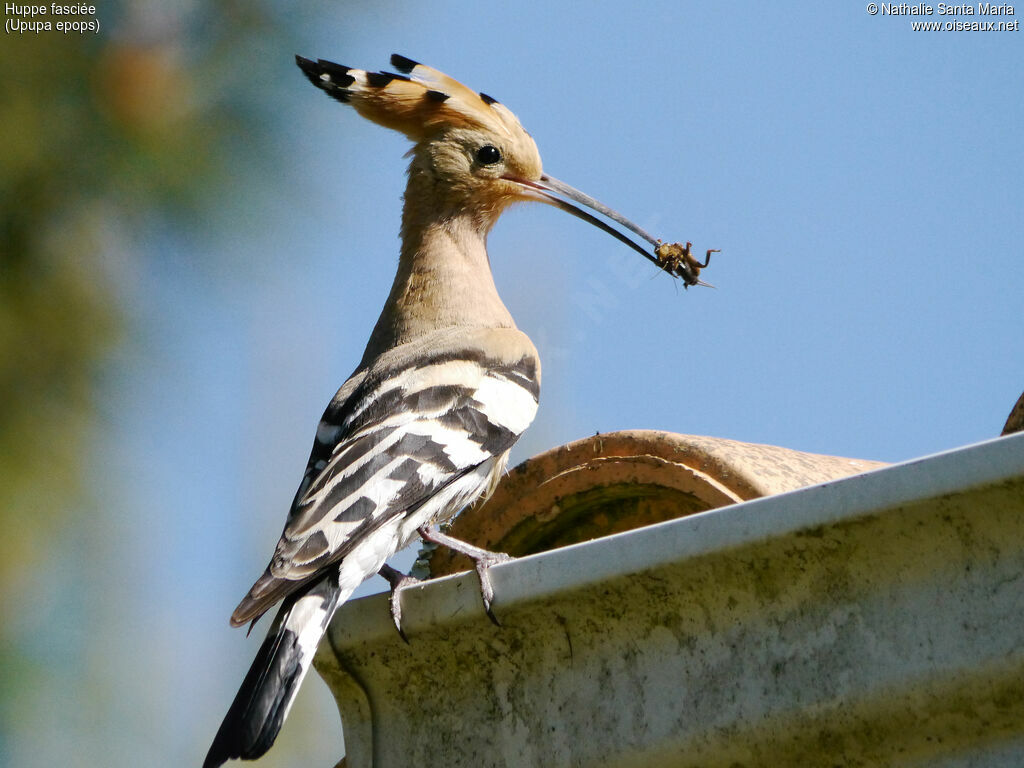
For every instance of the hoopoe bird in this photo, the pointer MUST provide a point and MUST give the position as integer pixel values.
(446, 386)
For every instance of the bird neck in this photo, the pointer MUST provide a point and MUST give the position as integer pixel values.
(444, 280)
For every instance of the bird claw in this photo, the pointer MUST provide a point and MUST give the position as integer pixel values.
(482, 559)
(483, 565)
(398, 581)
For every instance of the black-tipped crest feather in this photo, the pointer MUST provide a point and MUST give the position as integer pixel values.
(339, 74)
(381, 79)
(403, 64)
(333, 79)
(419, 102)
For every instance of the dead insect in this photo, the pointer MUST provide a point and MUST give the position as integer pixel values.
(677, 260)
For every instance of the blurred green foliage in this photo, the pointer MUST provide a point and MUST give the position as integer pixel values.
(100, 134)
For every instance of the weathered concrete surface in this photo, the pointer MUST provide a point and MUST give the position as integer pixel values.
(874, 620)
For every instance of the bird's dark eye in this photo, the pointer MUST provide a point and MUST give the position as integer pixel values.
(488, 154)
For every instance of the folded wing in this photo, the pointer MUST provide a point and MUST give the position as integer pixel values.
(395, 445)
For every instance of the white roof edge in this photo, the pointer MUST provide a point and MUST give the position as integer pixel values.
(537, 577)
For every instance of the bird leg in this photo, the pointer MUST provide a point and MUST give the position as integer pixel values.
(398, 582)
(483, 559)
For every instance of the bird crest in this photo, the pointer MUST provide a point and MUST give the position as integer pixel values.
(418, 101)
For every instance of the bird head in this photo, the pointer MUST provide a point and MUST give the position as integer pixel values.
(470, 155)
(470, 151)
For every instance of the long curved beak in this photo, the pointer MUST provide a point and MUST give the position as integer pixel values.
(557, 193)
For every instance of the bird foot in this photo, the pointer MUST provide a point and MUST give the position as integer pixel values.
(482, 559)
(398, 582)
(486, 588)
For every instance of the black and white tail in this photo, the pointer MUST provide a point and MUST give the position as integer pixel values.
(268, 691)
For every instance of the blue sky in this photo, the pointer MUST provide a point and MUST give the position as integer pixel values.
(862, 180)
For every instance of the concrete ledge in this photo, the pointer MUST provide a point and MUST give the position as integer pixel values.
(873, 620)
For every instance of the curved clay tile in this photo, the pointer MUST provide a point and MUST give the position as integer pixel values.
(623, 480)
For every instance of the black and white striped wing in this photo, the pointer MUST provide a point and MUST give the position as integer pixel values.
(410, 441)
